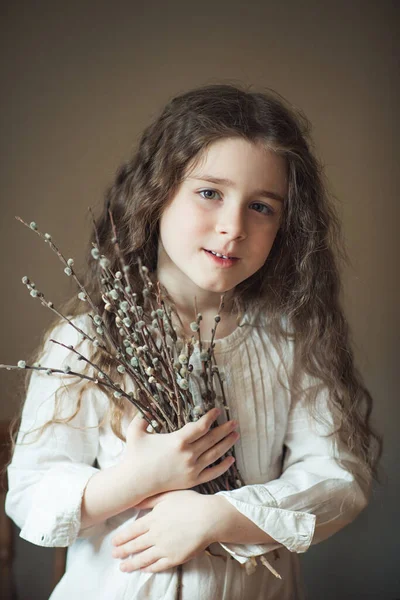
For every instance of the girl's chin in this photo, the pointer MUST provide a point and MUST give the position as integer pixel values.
(214, 287)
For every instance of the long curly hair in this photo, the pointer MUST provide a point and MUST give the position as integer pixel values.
(299, 283)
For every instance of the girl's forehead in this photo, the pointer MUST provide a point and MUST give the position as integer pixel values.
(231, 160)
(224, 149)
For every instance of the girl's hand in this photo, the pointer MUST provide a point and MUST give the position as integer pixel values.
(178, 460)
(175, 531)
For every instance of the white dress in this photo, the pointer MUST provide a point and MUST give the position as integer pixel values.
(298, 498)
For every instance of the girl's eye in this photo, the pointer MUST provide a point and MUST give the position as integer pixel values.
(209, 193)
(263, 208)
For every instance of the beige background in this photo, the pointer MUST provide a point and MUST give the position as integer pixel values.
(80, 83)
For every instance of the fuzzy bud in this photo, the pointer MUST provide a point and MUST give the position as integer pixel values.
(100, 330)
(97, 319)
(33, 226)
(67, 369)
(183, 359)
(107, 307)
(134, 361)
(124, 306)
(118, 275)
(117, 395)
(129, 350)
(194, 326)
(144, 269)
(47, 237)
(217, 318)
(140, 325)
(114, 294)
(127, 322)
(49, 372)
(197, 411)
(82, 296)
(184, 384)
(95, 253)
(68, 271)
(152, 380)
(104, 262)
(149, 371)
(121, 369)
(70, 262)
(204, 356)
(25, 280)
(33, 293)
(21, 364)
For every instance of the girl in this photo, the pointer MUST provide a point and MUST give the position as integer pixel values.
(223, 195)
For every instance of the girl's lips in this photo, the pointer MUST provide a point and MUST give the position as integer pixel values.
(217, 252)
(222, 262)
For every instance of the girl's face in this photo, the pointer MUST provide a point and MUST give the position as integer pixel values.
(230, 203)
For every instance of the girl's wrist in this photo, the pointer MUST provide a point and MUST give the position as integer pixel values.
(137, 481)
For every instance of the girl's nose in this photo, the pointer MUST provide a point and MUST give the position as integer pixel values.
(231, 223)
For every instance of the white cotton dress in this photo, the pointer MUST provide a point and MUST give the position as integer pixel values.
(299, 497)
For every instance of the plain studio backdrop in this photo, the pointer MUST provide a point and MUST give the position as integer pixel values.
(81, 80)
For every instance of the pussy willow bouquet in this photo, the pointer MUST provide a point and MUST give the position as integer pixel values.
(146, 349)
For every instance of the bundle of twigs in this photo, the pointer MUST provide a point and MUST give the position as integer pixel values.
(146, 349)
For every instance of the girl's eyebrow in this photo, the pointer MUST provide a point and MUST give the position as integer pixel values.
(230, 183)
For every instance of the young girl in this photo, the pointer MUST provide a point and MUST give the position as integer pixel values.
(223, 195)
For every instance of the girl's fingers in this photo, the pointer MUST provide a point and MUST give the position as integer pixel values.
(138, 545)
(214, 472)
(194, 431)
(214, 453)
(141, 560)
(213, 437)
(132, 530)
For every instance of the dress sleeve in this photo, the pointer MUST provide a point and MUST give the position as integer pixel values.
(51, 467)
(314, 497)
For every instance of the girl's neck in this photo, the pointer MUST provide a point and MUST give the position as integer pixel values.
(209, 308)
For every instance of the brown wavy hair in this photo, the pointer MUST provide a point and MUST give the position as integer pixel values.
(299, 283)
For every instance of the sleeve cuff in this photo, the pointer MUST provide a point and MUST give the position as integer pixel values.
(292, 529)
(55, 518)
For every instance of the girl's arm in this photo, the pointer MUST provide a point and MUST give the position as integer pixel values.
(312, 499)
(153, 464)
(54, 488)
(320, 491)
